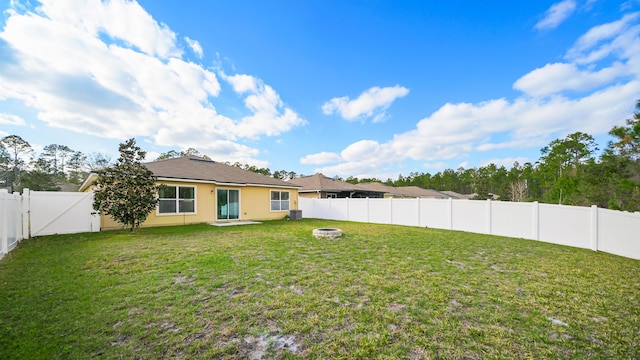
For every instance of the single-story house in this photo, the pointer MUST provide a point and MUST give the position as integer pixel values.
(319, 186)
(198, 190)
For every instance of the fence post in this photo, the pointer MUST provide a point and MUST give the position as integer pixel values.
(26, 213)
(390, 210)
(535, 221)
(419, 206)
(348, 216)
(18, 213)
(4, 209)
(594, 227)
(489, 216)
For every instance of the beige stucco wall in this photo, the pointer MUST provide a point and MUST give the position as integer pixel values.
(309, 195)
(255, 204)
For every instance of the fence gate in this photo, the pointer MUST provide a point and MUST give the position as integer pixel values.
(52, 212)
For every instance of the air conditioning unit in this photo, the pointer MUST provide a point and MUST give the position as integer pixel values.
(295, 214)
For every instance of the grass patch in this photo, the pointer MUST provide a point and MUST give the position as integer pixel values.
(274, 291)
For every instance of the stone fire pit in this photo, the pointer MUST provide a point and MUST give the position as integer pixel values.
(329, 233)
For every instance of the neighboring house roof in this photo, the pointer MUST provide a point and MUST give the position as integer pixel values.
(455, 195)
(406, 191)
(376, 186)
(197, 169)
(420, 192)
(319, 182)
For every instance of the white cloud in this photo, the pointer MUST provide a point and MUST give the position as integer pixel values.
(600, 41)
(320, 158)
(195, 46)
(513, 144)
(587, 69)
(371, 103)
(532, 120)
(363, 149)
(556, 14)
(120, 19)
(553, 78)
(269, 115)
(10, 119)
(151, 155)
(365, 158)
(132, 82)
(241, 83)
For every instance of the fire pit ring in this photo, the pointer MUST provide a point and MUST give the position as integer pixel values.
(328, 233)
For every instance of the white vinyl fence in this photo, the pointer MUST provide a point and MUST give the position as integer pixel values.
(614, 232)
(38, 213)
(10, 221)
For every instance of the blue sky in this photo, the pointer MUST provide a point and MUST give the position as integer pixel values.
(348, 88)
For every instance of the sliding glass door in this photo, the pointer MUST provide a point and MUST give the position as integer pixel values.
(228, 204)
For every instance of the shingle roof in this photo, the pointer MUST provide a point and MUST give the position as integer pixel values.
(319, 182)
(456, 195)
(196, 168)
(420, 192)
(376, 186)
(411, 191)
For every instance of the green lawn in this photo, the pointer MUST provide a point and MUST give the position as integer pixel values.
(274, 291)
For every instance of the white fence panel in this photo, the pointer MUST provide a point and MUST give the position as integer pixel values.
(435, 213)
(54, 212)
(405, 212)
(10, 221)
(380, 211)
(358, 210)
(513, 219)
(619, 233)
(311, 208)
(471, 216)
(565, 225)
(331, 209)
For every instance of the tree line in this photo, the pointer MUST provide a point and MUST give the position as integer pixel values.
(55, 167)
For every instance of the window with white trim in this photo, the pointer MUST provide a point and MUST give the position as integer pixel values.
(279, 200)
(177, 200)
